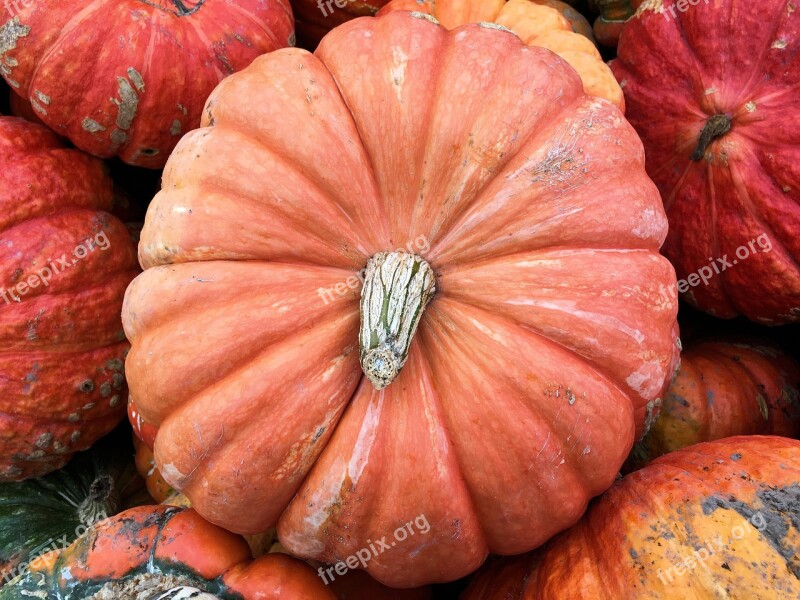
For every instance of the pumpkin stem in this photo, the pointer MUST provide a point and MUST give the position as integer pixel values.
(715, 127)
(397, 288)
(102, 501)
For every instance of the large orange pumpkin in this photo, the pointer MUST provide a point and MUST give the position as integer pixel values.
(64, 265)
(528, 266)
(164, 553)
(711, 87)
(538, 24)
(127, 78)
(724, 389)
(714, 520)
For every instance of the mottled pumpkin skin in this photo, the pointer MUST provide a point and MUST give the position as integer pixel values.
(128, 78)
(537, 23)
(722, 61)
(719, 515)
(62, 348)
(725, 389)
(530, 201)
(159, 542)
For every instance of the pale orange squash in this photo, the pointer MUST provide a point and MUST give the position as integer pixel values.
(538, 23)
(524, 234)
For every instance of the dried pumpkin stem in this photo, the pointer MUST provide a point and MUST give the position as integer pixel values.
(102, 501)
(715, 127)
(397, 288)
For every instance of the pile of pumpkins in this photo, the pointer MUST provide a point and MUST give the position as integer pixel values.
(368, 299)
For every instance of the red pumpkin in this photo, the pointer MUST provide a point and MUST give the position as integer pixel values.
(128, 78)
(711, 89)
(165, 552)
(725, 389)
(64, 267)
(521, 200)
(315, 18)
(718, 519)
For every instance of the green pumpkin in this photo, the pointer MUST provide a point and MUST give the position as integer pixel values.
(40, 515)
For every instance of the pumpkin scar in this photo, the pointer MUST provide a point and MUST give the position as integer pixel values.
(10, 33)
(127, 105)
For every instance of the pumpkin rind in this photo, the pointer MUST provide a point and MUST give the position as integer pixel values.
(711, 90)
(529, 201)
(715, 516)
(62, 348)
(725, 389)
(535, 22)
(162, 548)
(128, 78)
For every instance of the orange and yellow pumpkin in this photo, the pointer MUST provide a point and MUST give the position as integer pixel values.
(512, 224)
(536, 22)
(725, 389)
(717, 519)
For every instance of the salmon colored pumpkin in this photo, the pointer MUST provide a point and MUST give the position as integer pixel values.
(64, 265)
(165, 553)
(725, 389)
(538, 24)
(712, 91)
(128, 78)
(717, 519)
(524, 299)
(158, 489)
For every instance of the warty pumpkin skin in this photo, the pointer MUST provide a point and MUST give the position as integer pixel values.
(143, 551)
(724, 389)
(128, 78)
(538, 24)
(39, 515)
(712, 93)
(64, 267)
(717, 519)
(532, 367)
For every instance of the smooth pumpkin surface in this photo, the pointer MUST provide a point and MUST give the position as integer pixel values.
(64, 265)
(537, 23)
(44, 514)
(150, 549)
(712, 92)
(533, 366)
(128, 78)
(717, 519)
(725, 389)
